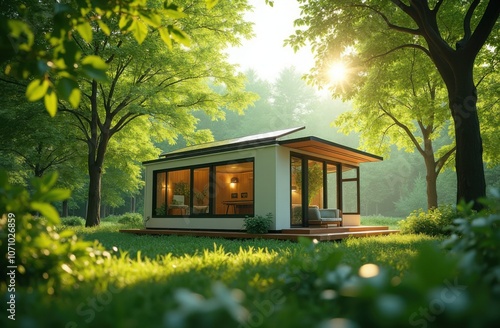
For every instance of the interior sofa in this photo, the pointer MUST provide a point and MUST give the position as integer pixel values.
(324, 217)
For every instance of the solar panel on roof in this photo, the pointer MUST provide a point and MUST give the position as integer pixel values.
(235, 141)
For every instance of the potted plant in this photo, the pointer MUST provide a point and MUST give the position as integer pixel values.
(200, 196)
(182, 188)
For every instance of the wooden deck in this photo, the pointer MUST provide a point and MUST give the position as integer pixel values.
(320, 234)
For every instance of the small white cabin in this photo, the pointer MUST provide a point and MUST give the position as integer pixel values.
(214, 186)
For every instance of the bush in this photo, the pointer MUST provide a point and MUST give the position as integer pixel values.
(434, 222)
(43, 256)
(111, 218)
(478, 239)
(73, 221)
(134, 219)
(258, 224)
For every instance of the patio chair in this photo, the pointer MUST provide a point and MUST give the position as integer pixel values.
(324, 216)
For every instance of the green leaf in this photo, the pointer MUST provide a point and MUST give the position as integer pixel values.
(139, 30)
(151, 19)
(104, 27)
(47, 181)
(85, 31)
(37, 89)
(17, 29)
(42, 67)
(172, 10)
(94, 67)
(124, 22)
(56, 194)
(46, 210)
(68, 90)
(211, 3)
(50, 101)
(165, 36)
(179, 35)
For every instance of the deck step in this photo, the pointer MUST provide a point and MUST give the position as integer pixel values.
(334, 229)
(320, 234)
(343, 235)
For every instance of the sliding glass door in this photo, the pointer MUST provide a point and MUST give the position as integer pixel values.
(319, 183)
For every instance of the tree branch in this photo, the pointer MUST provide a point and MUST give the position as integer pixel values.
(484, 28)
(123, 121)
(467, 19)
(442, 160)
(409, 45)
(404, 127)
(388, 22)
(15, 82)
(437, 7)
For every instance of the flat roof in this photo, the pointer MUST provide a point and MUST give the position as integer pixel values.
(330, 149)
(310, 144)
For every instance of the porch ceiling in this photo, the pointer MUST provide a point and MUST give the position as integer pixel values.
(335, 152)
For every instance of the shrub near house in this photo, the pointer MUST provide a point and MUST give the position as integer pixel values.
(434, 222)
(258, 224)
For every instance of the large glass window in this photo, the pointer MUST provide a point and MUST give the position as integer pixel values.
(178, 192)
(217, 189)
(160, 201)
(201, 190)
(322, 184)
(296, 190)
(331, 184)
(350, 189)
(315, 183)
(234, 188)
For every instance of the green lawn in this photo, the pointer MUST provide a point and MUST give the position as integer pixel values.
(378, 220)
(175, 281)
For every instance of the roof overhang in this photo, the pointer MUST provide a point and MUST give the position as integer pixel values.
(330, 149)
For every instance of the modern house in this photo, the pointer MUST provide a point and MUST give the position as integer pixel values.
(214, 186)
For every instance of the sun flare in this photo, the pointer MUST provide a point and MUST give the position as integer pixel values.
(337, 72)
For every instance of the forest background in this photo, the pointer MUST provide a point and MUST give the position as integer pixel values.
(393, 187)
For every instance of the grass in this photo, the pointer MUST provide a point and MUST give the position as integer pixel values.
(146, 278)
(393, 250)
(378, 220)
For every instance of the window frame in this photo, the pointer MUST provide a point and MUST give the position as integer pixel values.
(211, 190)
(339, 184)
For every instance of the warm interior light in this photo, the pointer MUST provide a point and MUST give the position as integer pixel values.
(294, 188)
(234, 180)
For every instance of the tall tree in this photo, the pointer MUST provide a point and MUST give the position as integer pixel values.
(401, 103)
(149, 80)
(451, 34)
(53, 70)
(122, 176)
(30, 137)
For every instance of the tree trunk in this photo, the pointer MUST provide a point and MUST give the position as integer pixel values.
(431, 182)
(471, 184)
(132, 204)
(94, 196)
(430, 167)
(462, 93)
(100, 134)
(64, 208)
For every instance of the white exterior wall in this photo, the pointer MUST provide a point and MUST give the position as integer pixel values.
(271, 173)
(283, 206)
